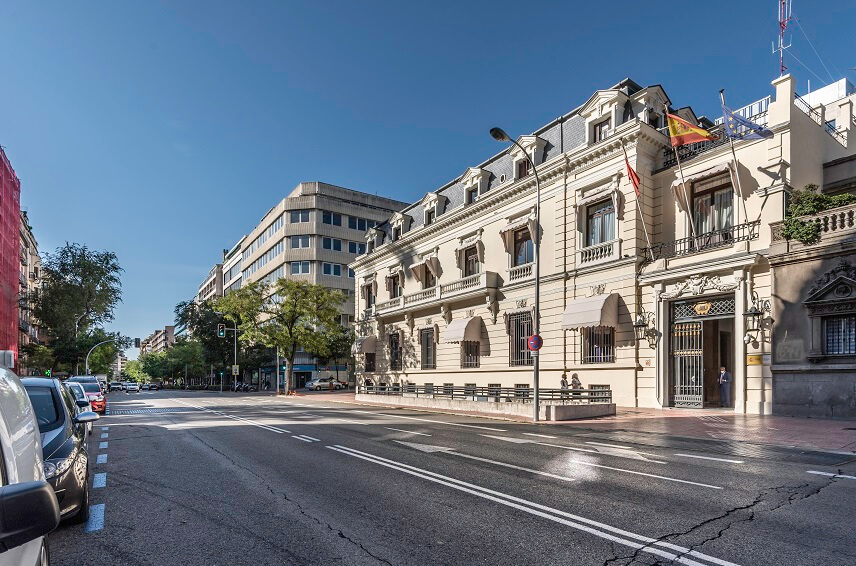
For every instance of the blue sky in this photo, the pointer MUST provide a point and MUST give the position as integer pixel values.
(164, 130)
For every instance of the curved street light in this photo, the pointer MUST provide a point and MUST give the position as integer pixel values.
(499, 135)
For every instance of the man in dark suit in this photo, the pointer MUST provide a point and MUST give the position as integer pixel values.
(724, 379)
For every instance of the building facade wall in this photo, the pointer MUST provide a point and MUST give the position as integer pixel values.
(10, 272)
(685, 286)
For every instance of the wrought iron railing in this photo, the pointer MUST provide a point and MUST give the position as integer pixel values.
(703, 242)
(490, 394)
(692, 150)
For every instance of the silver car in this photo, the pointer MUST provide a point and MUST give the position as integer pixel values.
(81, 399)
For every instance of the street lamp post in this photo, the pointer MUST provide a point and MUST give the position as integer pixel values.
(92, 348)
(499, 135)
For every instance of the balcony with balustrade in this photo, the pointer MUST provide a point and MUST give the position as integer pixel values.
(521, 273)
(599, 253)
(464, 288)
(833, 227)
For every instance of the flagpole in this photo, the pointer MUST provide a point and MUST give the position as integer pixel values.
(683, 182)
(638, 202)
(736, 162)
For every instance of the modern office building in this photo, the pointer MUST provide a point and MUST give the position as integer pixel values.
(232, 267)
(644, 294)
(30, 274)
(212, 286)
(312, 235)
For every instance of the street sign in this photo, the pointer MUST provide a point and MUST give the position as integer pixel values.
(535, 342)
(236, 370)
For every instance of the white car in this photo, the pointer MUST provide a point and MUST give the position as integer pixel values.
(132, 387)
(81, 400)
(30, 507)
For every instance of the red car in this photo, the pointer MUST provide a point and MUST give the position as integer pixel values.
(95, 396)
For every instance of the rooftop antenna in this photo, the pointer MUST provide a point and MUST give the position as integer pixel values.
(785, 11)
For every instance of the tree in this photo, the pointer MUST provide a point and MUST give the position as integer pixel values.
(201, 320)
(80, 289)
(288, 315)
(155, 365)
(335, 345)
(134, 371)
(185, 359)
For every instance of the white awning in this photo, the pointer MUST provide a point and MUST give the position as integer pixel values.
(516, 224)
(678, 191)
(599, 310)
(463, 330)
(416, 268)
(523, 222)
(365, 345)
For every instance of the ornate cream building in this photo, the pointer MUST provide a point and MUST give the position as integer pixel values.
(445, 290)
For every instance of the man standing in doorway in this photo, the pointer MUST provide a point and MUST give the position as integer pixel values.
(724, 387)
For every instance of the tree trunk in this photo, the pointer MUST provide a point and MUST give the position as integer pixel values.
(289, 372)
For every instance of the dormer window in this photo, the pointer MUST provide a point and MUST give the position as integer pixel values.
(431, 207)
(523, 169)
(472, 195)
(600, 130)
(396, 233)
(474, 181)
(654, 120)
(533, 146)
(430, 216)
(400, 223)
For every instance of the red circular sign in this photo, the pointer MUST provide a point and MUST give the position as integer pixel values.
(535, 342)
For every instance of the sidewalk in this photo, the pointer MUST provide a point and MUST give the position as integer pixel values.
(709, 424)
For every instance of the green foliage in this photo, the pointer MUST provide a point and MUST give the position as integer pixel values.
(809, 202)
(201, 322)
(39, 357)
(286, 315)
(184, 358)
(80, 289)
(133, 371)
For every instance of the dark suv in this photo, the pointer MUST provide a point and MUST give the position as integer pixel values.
(63, 434)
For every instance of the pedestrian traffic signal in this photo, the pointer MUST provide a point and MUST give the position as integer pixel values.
(47, 373)
(221, 331)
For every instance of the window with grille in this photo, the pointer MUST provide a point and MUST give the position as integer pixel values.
(394, 352)
(448, 388)
(370, 361)
(598, 345)
(521, 390)
(469, 389)
(524, 248)
(494, 389)
(426, 340)
(600, 393)
(429, 388)
(472, 265)
(470, 354)
(840, 335)
(519, 331)
(600, 223)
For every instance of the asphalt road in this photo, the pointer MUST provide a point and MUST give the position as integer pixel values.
(198, 478)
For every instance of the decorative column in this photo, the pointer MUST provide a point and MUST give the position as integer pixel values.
(738, 372)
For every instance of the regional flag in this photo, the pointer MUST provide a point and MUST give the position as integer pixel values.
(634, 178)
(682, 132)
(739, 128)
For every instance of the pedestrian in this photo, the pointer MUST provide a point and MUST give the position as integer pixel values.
(576, 385)
(564, 386)
(724, 387)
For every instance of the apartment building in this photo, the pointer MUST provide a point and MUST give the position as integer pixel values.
(119, 364)
(232, 266)
(158, 341)
(312, 235)
(445, 290)
(212, 286)
(29, 277)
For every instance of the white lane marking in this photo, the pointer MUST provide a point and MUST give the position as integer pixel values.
(96, 519)
(102, 445)
(580, 462)
(301, 438)
(610, 445)
(494, 462)
(432, 421)
(539, 435)
(105, 428)
(313, 439)
(406, 431)
(237, 418)
(347, 421)
(602, 530)
(99, 480)
(618, 452)
(101, 459)
(711, 458)
(827, 474)
(104, 435)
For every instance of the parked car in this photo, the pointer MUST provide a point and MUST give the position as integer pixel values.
(320, 383)
(63, 436)
(80, 399)
(95, 395)
(154, 387)
(144, 387)
(30, 508)
(89, 379)
(132, 387)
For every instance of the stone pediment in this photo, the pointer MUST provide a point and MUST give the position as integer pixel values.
(600, 98)
(841, 289)
(826, 281)
(474, 176)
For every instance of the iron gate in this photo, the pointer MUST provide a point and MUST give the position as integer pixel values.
(688, 364)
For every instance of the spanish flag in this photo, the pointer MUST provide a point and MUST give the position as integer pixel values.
(682, 132)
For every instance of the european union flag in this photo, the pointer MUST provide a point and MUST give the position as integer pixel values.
(739, 128)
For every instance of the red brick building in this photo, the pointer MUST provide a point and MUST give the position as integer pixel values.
(10, 271)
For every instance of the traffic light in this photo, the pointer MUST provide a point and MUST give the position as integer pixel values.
(136, 342)
(221, 331)
(48, 373)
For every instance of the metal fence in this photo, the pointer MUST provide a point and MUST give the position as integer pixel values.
(490, 394)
